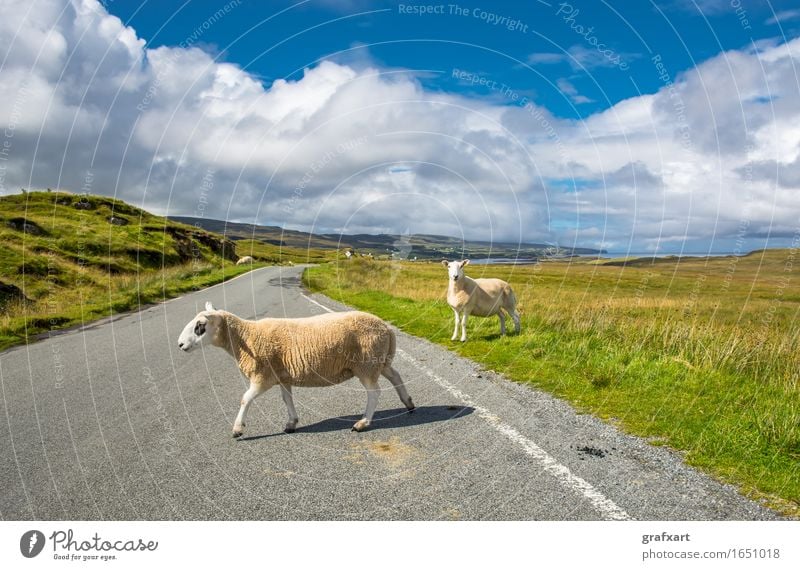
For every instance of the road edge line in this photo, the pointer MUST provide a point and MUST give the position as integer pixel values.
(562, 473)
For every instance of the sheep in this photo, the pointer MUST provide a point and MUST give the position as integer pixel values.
(317, 351)
(480, 297)
(244, 260)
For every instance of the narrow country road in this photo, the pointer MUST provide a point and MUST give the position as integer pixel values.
(114, 422)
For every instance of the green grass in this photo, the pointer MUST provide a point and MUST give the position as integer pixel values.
(702, 355)
(270, 253)
(63, 263)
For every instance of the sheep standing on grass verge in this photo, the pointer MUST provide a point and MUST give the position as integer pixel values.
(244, 260)
(480, 297)
(323, 350)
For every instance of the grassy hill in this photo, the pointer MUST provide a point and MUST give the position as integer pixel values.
(700, 354)
(409, 246)
(267, 235)
(67, 259)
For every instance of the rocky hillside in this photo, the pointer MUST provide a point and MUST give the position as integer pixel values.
(55, 240)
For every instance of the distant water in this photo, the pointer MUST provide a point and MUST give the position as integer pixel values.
(607, 255)
(650, 254)
(493, 260)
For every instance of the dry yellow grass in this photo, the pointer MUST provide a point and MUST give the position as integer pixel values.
(701, 354)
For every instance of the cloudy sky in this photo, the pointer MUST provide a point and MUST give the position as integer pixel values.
(667, 126)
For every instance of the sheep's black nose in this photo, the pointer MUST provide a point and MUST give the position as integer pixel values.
(180, 345)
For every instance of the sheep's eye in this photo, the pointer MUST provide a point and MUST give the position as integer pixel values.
(199, 328)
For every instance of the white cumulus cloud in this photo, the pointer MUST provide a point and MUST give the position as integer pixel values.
(355, 147)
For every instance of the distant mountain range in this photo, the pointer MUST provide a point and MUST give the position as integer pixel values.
(406, 246)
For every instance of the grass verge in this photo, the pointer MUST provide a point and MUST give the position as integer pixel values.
(700, 355)
(69, 259)
(23, 322)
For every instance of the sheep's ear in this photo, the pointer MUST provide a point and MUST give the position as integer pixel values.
(465, 262)
(209, 306)
(445, 262)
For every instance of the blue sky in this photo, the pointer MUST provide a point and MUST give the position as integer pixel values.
(659, 126)
(683, 32)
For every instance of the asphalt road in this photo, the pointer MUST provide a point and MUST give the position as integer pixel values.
(114, 422)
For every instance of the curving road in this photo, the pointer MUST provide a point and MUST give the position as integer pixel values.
(113, 422)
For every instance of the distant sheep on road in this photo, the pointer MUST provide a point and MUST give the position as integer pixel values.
(479, 297)
(323, 350)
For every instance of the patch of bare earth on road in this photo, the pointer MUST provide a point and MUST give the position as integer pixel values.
(451, 514)
(392, 452)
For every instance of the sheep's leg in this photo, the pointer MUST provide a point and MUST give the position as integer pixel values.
(515, 316)
(455, 329)
(502, 322)
(252, 393)
(394, 377)
(464, 327)
(373, 393)
(286, 394)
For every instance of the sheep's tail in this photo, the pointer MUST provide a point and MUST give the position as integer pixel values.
(392, 349)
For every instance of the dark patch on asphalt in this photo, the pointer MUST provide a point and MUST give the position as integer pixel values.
(286, 282)
(593, 451)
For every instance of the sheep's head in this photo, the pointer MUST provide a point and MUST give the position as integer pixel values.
(204, 324)
(455, 269)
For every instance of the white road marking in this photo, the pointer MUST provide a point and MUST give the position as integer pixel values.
(320, 305)
(600, 502)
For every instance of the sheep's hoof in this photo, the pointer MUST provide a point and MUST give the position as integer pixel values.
(360, 425)
(411, 408)
(289, 430)
(454, 338)
(463, 340)
(237, 434)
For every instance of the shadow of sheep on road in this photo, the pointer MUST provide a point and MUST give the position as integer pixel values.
(384, 419)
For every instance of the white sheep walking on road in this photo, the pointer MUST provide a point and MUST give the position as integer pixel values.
(323, 350)
(479, 297)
